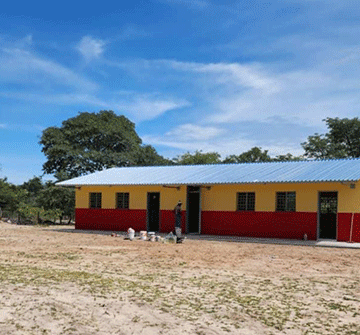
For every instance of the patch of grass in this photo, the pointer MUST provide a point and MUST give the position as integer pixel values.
(279, 304)
(68, 256)
(340, 307)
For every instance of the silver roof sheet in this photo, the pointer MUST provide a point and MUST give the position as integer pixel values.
(270, 172)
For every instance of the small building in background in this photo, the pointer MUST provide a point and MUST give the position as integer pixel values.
(318, 199)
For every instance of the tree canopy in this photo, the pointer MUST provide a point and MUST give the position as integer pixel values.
(341, 141)
(10, 195)
(91, 142)
(255, 154)
(198, 157)
(53, 197)
(35, 201)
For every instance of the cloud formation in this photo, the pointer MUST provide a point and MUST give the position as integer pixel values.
(225, 96)
(25, 67)
(143, 107)
(91, 48)
(194, 132)
(235, 92)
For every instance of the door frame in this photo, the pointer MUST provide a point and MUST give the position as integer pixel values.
(187, 208)
(147, 210)
(318, 213)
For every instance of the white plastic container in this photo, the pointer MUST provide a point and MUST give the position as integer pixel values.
(131, 233)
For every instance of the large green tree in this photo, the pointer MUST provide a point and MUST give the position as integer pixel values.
(146, 155)
(341, 141)
(91, 142)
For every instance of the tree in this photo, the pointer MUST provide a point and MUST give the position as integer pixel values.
(91, 142)
(255, 154)
(341, 141)
(57, 199)
(32, 187)
(146, 155)
(287, 158)
(198, 157)
(11, 196)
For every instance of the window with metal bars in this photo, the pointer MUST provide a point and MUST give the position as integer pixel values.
(246, 201)
(95, 200)
(286, 201)
(122, 200)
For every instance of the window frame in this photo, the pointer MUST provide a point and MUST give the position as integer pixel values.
(287, 201)
(97, 202)
(124, 200)
(249, 202)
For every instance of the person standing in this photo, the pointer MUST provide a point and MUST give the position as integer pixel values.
(177, 213)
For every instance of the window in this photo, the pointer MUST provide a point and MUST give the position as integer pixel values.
(95, 200)
(286, 201)
(122, 200)
(246, 201)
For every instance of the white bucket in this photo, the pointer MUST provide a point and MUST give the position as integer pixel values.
(131, 233)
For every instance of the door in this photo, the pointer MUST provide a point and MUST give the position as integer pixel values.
(193, 209)
(327, 214)
(153, 211)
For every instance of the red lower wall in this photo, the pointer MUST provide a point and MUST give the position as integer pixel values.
(122, 220)
(110, 219)
(291, 225)
(344, 227)
(250, 224)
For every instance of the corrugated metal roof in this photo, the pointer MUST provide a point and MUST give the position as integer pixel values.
(271, 172)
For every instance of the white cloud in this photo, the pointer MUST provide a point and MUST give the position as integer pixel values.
(194, 132)
(25, 42)
(139, 107)
(307, 96)
(91, 48)
(229, 75)
(224, 147)
(226, 141)
(58, 99)
(23, 67)
(3, 126)
(243, 75)
(145, 107)
(235, 92)
(224, 96)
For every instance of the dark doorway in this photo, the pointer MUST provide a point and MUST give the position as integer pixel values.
(153, 211)
(327, 214)
(193, 209)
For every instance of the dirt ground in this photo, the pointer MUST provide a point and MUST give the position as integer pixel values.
(54, 280)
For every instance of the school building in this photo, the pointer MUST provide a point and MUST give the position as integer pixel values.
(319, 198)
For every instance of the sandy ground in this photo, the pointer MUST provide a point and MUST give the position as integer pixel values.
(54, 280)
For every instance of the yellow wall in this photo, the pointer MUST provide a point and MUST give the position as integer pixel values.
(223, 197)
(137, 194)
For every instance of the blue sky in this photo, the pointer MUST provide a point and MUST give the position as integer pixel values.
(193, 75)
